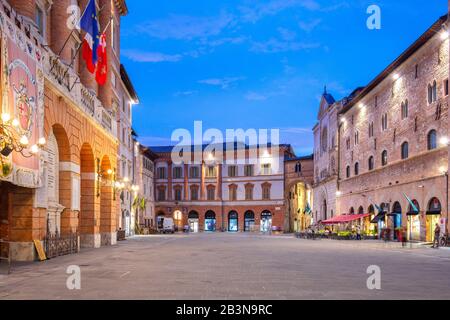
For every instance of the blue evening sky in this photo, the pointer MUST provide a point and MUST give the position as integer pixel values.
(257, 64)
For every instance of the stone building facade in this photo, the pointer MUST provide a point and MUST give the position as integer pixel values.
(126, 152)
(299, 180)
(145, 195)
(68, 188)
(394, 142)
(213, 195)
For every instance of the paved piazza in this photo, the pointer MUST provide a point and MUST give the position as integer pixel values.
(236, 266)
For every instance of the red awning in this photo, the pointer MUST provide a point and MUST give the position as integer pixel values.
(345, 218)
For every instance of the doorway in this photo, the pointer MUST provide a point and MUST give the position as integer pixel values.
(210, 221)
(233, 222)
(249, 225)
(193, 221)
(266, 222)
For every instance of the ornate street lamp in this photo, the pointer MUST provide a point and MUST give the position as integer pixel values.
(14, 139)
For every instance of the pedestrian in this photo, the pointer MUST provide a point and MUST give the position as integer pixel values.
(404, 237)
(437, 235)
(358, 233)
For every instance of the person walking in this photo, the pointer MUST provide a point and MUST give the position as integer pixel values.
(437, 235)
(404, 237)
(358, 233)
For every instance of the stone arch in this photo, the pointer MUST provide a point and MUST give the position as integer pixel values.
(107, 212)
(361, 210)
(67, 175)
(89, 207)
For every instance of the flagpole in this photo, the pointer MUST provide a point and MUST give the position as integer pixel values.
(71, 33)
(81, 44)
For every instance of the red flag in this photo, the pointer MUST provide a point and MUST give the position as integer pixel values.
(87, 56)
(102, 64)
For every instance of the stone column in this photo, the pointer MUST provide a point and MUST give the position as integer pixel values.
(108, 225)
(219, 182)
(90, 212)
(202, 182)
(69, 196)
(169, 181)
(186, 182)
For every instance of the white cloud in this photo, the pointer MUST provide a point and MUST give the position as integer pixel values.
(185, 93)
(310, 25)
(224, 83)
(258, 11)
(287, 34)
(254, 96)
(182, 27)
(274, 45)
(153, 57)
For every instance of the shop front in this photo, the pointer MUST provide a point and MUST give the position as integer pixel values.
(433, 218)
(210, 221)
(193, 221)
(233, 222)
(414, 225)
(249, 221)
(266, 222)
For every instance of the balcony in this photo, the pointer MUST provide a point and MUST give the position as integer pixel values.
(58, 73)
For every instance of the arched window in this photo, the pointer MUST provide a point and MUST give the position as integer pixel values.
(434, 207)
(352, 210)
(405, 109)
(324, 141)
(430, 94)
(405, 150)
(434, 91)
(432, 140)
(371, 163)
(361, 210)
(348, 172)
(298, 167)
(356, 168)
(384, 158)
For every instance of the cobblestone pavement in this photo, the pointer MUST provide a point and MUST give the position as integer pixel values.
(236, 266)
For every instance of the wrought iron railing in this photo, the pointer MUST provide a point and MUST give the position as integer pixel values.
(57, 246)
